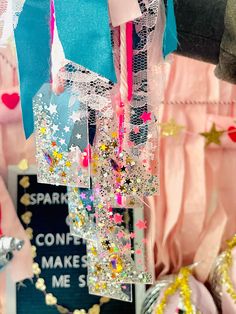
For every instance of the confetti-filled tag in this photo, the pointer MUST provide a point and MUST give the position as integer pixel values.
(121, 244)
(117, 235)
(61, 128)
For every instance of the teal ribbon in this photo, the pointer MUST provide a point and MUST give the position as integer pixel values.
(83, 28)
(32, 37)
(170, 41)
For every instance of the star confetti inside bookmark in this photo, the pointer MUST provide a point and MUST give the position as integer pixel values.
(109, 289)
(62, 144)
(82, 213)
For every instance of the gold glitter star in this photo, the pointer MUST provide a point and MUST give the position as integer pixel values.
(100, 206)
(103, 147)
(43, 130)
(171, 128)
(213, 136)
(68, 163)
(114, 135)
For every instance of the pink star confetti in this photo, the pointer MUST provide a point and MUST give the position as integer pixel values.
(127, 246)
(120, 234)
(118, 219)
(91, 198)
(89, 208)
(136, 130)
(141, 224)
(83, 196)
(132, 235)
(130, 143)
(146, 116)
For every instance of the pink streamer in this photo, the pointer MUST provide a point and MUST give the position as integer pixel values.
(129, 45)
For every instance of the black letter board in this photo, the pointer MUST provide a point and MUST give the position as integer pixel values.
(58, 254)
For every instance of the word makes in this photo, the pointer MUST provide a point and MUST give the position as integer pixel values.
(71, 261)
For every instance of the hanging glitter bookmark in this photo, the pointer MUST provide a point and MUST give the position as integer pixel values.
(62, 145)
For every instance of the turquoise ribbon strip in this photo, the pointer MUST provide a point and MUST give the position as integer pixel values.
(170, 41)
(32, 37)
(83, 28)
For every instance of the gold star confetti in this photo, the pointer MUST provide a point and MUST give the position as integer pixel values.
(114, 135)
(68, 164)
(59, 156)
(213, 136)
(103, 147)
(43, 131)
(171, 128)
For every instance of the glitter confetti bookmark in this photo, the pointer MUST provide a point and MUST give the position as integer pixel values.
(62, 144)
(118, 234)
(121, 244)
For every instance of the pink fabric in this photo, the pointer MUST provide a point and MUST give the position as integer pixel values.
(123, 11)
(228, 304)
(13, 148)
(201, 298)
(195, 212)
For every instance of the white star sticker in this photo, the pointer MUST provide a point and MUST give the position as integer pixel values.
(75, 116)
(62, 141)
(78, 136)
(52, 109)
(55, 128)
(66, 129)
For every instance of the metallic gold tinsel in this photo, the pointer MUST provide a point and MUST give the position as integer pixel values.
(180, 283)
(225, 268)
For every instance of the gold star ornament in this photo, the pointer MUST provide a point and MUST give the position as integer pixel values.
(171, 128)
(213, 136)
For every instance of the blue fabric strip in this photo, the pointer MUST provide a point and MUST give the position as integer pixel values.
(32, 37)
(170, 41)
(83, 28)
